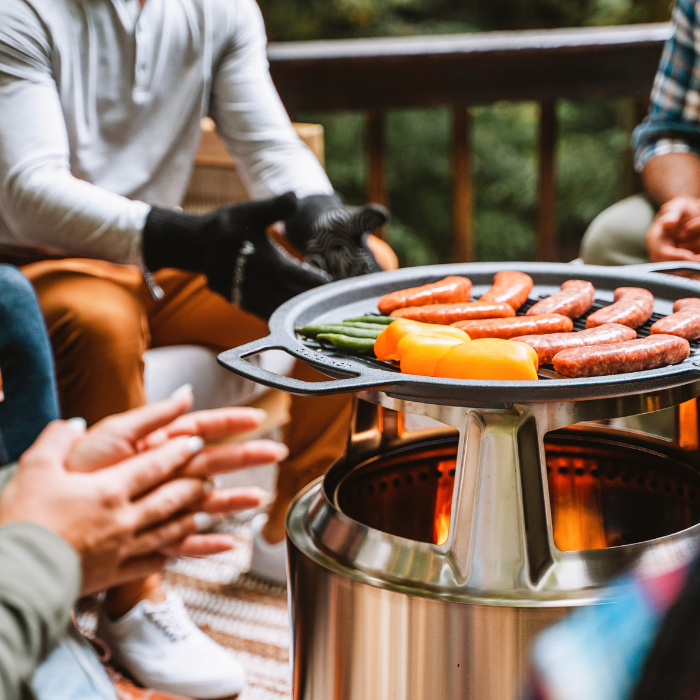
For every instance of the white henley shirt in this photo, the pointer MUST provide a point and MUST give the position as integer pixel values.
(100, 110)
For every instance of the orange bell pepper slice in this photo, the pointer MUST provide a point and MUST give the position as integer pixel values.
(489, 358)
(388, 339)
(418, 352)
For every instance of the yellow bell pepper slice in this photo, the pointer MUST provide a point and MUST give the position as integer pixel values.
(388, 339)
(489, 358)
(418, 352)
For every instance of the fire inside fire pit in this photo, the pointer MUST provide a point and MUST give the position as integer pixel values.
(602, 492)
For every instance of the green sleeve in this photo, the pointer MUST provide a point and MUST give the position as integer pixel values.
(39, 583)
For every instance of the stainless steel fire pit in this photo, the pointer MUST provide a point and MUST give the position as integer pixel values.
(423, 563)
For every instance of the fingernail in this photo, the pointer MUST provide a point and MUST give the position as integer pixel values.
(260, 414)
(180, 392)
(202, 521)
(209, 486)
(78, 424)
(282, 451)
(195, 443)
(265, 497)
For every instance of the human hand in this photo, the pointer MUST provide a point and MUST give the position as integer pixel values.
(231, 247)
(127, 434)
(333, 236)
(675, 232)
(116, 519)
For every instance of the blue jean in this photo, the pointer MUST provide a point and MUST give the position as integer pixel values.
(26, 364)
(72, 671)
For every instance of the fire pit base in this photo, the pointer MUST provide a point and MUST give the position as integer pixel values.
(354, 641)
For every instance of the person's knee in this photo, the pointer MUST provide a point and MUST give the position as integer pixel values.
(93, 319)
(617, 235)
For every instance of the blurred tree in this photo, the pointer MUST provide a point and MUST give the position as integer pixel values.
(593, 135)
(292, 20)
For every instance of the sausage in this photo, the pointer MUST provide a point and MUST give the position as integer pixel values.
(684, 323)
(449, 313)
(547, 346)
(509, 287)
(629, 356)
(632, 307)
(507, 328)
(446, 291)
(573, 300)
(685, 303)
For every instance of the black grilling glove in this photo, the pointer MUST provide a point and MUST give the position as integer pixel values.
(231, 248)
(333, 237)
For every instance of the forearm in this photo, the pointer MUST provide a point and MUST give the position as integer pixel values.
(39, 583)
(672, 175)
(51, 209)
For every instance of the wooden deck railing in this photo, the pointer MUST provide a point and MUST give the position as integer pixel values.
(375, 75)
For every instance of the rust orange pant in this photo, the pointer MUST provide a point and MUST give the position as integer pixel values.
(101, 318)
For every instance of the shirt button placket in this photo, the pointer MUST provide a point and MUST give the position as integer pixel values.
(141, 56)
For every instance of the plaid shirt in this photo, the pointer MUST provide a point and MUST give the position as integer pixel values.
(673, 122)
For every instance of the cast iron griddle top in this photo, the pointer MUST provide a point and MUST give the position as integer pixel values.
(358, 296)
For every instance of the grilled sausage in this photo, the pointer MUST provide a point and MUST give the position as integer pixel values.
(446, 291)
(507, 328)
(632, 307)
(547, 346)
(509, 287)
(685, 303)
(629, 356)
(573, 300)
(684, 323)
(449, 313)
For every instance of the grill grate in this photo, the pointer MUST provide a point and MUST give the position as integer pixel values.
(543, 373)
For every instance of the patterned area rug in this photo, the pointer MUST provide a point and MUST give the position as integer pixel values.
(243, 614)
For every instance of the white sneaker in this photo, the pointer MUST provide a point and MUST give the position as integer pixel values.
(160, 646)
(269, 561)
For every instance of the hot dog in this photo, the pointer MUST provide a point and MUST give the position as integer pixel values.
(629, 356)
(507, 328)
(632, 307)
(449, 313)
(509, 287)
(451, 289)
(685, 303)
(547, 346)
(685, 322)
(573, 300)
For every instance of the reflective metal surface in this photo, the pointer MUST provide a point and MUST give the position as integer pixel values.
(500, 548)
(383, 608)
(603, 492)
(354, 641)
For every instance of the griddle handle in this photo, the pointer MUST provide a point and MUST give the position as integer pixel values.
(670, 266)
(349, 379)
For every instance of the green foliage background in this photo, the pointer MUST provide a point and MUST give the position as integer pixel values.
(592, 147)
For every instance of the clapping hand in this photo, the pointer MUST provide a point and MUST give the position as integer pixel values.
(129, 492)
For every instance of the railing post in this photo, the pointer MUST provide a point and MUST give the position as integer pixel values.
(462, 191)
(547, 239)
(376, 177)
(634, 111)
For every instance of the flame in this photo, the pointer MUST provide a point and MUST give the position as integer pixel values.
(577, 513)
(443, 504)
(687, 426)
